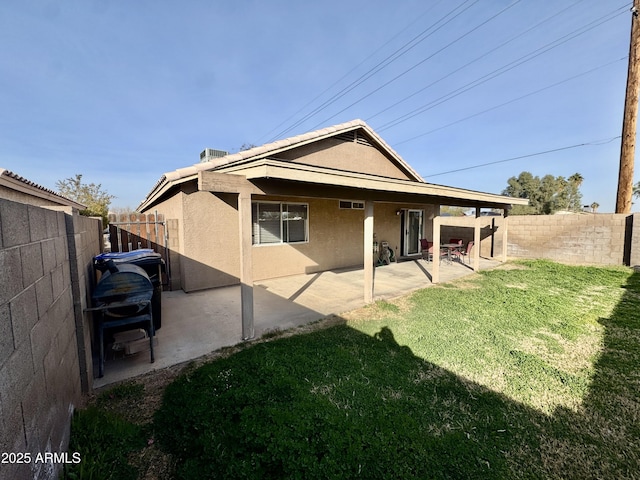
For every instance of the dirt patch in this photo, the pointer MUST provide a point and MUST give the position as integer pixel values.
(511, 266)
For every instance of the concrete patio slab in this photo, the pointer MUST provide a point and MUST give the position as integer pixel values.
(196, 324)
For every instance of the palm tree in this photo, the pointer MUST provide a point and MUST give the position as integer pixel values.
(594, 207)
(636, 190)
(576, 179)
(573, 190)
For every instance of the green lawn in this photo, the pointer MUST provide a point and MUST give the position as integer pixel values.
(527, 371)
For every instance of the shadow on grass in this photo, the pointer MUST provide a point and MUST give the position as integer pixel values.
(338, 403)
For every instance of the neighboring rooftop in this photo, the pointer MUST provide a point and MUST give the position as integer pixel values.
(16, 188)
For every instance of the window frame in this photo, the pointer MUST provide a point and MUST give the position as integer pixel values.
(353, 204)
(255, 234)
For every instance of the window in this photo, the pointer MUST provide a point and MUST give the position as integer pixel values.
(348, 204)
(279, 223)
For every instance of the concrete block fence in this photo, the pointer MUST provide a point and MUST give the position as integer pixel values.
(45, 349)
(595, 239)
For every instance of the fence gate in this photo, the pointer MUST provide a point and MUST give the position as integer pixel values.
(128, 232)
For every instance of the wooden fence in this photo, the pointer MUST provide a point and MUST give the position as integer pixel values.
(128, 232)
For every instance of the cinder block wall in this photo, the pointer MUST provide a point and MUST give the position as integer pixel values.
(634, 247)
(591, 239)
(597, 239)
(42, 292)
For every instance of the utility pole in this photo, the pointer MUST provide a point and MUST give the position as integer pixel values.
(627, 150)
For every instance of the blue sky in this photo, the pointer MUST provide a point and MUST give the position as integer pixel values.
(122, 92)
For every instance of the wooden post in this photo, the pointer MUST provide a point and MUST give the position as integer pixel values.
(505, 229)
(246, 264)
(368, 252)
(435, 274)
(476, 241)
(627, 149)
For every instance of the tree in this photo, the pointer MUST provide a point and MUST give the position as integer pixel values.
(119, 211)
(91, 195)
(636, 190)
(546, 195)
(575, 197)
(594, 207)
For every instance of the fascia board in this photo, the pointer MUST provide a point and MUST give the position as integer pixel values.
(318, 175)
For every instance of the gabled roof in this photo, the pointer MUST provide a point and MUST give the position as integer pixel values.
(262, 162)
(20, 184)
(190, 173)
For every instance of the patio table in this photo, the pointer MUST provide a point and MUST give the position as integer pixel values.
(450, 247)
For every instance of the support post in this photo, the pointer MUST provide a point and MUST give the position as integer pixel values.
(476, 241)
(246, 265)
(435, 274)
(368, 252)
(505, 229)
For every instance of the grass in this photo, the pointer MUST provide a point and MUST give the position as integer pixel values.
(528, 371)
(105, 439)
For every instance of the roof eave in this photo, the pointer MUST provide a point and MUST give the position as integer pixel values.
(276, 169)
(15, 182)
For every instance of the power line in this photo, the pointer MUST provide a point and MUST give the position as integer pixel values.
(426, 33)
(469, 32)
(592, 143)
(500, 71)
(310, 102)
(495, 107)
(521, 34)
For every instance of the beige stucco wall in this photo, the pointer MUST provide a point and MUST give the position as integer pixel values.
(207, 247)
(172, 209)
(203, 239)
(211, 237)
(335, 240)
(349, 156)
(21, 197)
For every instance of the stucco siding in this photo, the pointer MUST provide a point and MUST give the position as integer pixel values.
(335, 240)
(210, 252)
(349, 156)
(20, 197)
(172, 209)
(387, 225)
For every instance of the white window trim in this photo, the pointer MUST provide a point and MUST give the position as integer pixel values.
(281, 242)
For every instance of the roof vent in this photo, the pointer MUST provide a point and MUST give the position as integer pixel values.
(210, 153)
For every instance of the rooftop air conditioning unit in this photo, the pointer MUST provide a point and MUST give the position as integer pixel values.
(209, 153)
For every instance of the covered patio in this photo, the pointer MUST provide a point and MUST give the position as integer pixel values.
(271, 178)
(196, 324)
